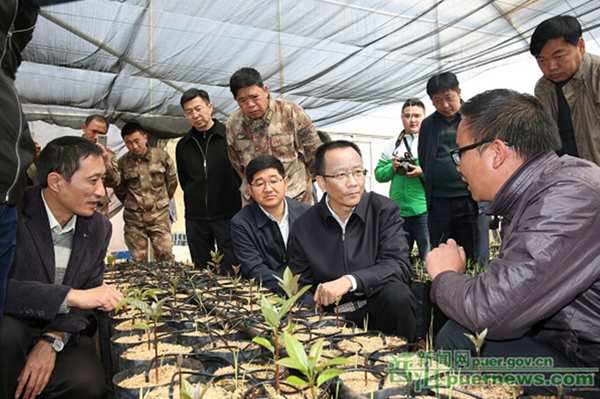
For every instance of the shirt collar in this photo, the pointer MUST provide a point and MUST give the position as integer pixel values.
(359, 210)
(285, 212)
(54, 224)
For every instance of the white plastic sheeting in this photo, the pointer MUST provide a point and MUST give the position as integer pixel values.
(130, 59)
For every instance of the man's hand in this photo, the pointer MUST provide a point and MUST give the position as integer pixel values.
(329, 292)
(106, 153)
(37, 371)
(104, 297)
(416, 171)
(446, 257)
(395, 164)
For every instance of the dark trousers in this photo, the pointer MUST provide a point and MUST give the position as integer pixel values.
(454, 218)
(201, 237)
(77, 372)
(391, 310)
(417, 230)
(452, 337)
(8, 235)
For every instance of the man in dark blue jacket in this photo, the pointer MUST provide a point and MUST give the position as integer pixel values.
(260, 230)
(209, 182)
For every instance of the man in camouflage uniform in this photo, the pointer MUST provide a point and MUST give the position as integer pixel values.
(264, 126)
(94, 126)
(148, 182)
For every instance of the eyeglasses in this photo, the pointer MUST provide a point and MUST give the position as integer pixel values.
(358, 174)
(456, 153)
(262, 184)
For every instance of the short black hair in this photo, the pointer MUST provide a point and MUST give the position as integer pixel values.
(63, 155)
(413, 102)
(97, 117)
(244, 77)
(261, 163)
(332, 145)
(516, 118)
(190, 94)
(564, 26)
(442, 82)
(131, 128)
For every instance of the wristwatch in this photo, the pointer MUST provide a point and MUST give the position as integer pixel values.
(56, 343)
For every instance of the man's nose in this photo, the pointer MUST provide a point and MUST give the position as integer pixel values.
(100, 191)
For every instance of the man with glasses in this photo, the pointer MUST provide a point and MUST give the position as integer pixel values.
(540, 298)
(351, 247)
(260, 230)
(452, 213)
(267, 126)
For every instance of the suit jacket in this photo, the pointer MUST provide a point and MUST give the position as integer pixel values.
(373, 249)
(257, 242)
(31, 293)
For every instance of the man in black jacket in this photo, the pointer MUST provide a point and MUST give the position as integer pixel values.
(452, 211)
(261, 229)
(56, 279)
(351, 246)
(16, 145)
(209, 182)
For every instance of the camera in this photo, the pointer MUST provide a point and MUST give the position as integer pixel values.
(407, 163)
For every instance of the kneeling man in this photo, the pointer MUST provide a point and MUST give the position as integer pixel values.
(352, 248)
(260, 230)
(56, 279)
(540, 298)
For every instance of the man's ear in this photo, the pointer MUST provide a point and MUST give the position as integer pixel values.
(501, 153)
(55, 181)
(247, 192)
(581, 45)
(321, 183)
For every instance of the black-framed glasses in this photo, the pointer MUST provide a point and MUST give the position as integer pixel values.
(358, 174)
(456, 153)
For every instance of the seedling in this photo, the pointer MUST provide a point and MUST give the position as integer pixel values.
(478, 340)
(315, 371)
(274, 315)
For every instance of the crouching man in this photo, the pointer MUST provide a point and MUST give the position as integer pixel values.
(260, 230)
(540, 298)
(352, 248)
(56, 279)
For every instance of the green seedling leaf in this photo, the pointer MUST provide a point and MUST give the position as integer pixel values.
(328, 374)
(296, 351)
(265, 343)
(272, 317)
(296, 381)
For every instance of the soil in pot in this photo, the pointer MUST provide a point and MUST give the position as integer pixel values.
(128, 325)
(355, 382)
(142, 352)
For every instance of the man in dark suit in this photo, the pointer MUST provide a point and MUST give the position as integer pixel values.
(352, 248)
(260, 230)
(56, 279)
